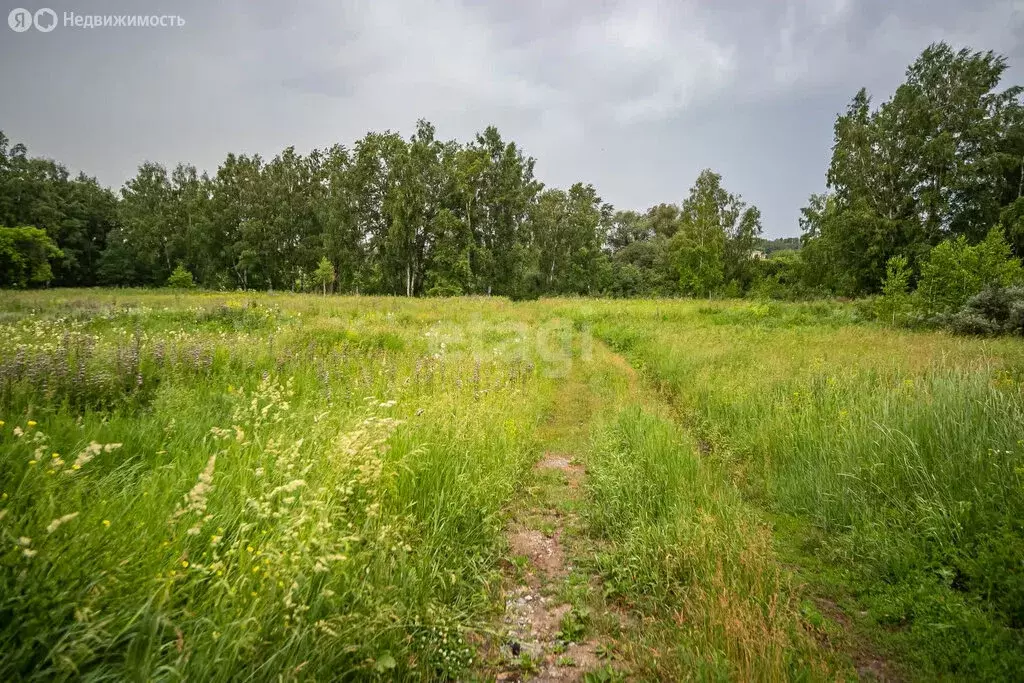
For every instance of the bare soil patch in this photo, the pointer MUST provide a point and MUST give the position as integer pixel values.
(545, 553)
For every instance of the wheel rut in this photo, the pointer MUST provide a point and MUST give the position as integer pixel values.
(538, 623)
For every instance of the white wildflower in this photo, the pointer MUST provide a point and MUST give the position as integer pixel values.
(195, 500)
(55, 524)
(290, 487)
(88, 453)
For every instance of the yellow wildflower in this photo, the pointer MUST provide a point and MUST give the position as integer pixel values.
(106, 522)
(32, 423)
(184, 563)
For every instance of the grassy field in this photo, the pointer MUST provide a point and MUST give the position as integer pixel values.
(276, 487)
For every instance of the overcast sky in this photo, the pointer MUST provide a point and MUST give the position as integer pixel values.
(634, 97)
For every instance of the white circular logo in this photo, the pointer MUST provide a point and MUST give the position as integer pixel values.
(20, 19)
(45, 20)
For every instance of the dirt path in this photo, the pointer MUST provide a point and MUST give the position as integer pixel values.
(555, 626)
(545, 639)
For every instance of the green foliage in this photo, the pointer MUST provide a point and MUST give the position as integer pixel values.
(903, 177)
(573, 626)
(323, 276)
(995, 310)
(781, 276)
(777, 245)
(180, 278)
(895, 302)
(75, 212)
(604, 674)
(25, 256)
(954, 271)
(393, 216)
(715, 238)
(1012, 220)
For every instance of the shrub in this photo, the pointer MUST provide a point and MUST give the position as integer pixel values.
(181, 278)
(954, 271)
(996, 310)
(895, 303)
(445, 289)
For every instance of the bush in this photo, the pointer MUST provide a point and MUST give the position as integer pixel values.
(996, 310)
(954, 271)
(181, 278)
(445, 289)
(895, 303)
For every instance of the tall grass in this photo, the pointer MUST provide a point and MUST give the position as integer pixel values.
(217, 487)
(901, 455)
(681, 545)
(226, 488)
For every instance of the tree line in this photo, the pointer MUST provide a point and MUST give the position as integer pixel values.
(942, 159)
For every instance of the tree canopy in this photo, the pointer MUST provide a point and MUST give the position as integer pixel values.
(941, 159)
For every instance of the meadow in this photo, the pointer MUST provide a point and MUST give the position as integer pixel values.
(210, 486)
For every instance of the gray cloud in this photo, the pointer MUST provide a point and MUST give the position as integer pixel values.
(635, 97)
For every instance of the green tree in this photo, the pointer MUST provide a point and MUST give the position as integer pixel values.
(934, 161)
(507, 188)
(895, 300)
(715, 237)
(567, 234)
(76, 213)
(25, 256)
(143, 248)
(324, 274)
(448, 272)
(181, 278)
